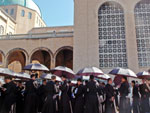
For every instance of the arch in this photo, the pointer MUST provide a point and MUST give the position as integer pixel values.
(99, 4)
(16, 59)
(2, 56)
(64, 57)
(62, 48)
(142, 26)
(112, 38)
(41, 55)
(111, 3)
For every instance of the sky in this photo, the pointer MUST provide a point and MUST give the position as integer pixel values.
(57, 12)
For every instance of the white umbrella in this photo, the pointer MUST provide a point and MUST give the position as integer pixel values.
(36, 67)
(1, 81)
(22, 75)
(60, 70)
(49, 75)
(85, 77)
(104, 76)
(74, 81)
(123, 72)
(90, 71)
(6, 72)
(144, 74)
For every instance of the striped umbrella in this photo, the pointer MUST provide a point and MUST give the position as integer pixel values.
(62, 70)
(49, 76)
(6, 72)
(104, 76)
(123, 72)
(36, 67)
(144, 74)
(90, 71)
(22, 75)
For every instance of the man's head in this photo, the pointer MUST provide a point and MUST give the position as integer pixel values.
(63, 77)
(133, 83)
(109, 81)
(79, 81)
(33, 76)
(44, 82)
(124, 79)
(91, 77)
(53, 78)
(8, 79)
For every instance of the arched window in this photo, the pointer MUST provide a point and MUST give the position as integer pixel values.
(112, 41)
(29, 15)
(22, 13)
(12, 12)
(1, 30)
(142, 23)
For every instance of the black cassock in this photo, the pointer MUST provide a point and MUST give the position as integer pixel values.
(124, 101)
(136, 98)
(20, 100)
(65, 102)
(31, 98)
(109, 106)
(41, 97)
(1, 98)
(91, 99)
(10, 97)
(144, 91)
(50, 102)
(79, 99)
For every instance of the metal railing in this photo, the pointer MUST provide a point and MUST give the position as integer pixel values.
(37, 35)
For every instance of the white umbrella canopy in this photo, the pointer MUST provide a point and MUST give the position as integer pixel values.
(60, 70)
(22, 75)
(6, 72)
(87, 71)
(123, 72)
(104, 76)
(49, 75)
(86, 77)
(2, 81)
(36, 67)
(144, 74)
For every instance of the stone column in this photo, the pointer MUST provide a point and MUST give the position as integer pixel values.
(131, 43)
(53, 62)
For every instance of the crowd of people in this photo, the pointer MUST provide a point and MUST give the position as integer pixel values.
(64, 97)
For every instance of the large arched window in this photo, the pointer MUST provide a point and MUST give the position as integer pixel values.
(142, 22)
(112, 42)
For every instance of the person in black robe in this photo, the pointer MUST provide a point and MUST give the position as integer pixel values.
(58, 107)
(41, 95)
(70, 92)
(31, 98)
(136, 97)
(79, 97)
(144, 91)
(1, 97)
(10, 95)
(50, 101)
(20, 98)
(110, 96)
(65, 101)
(124, 101)
(91, 99)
